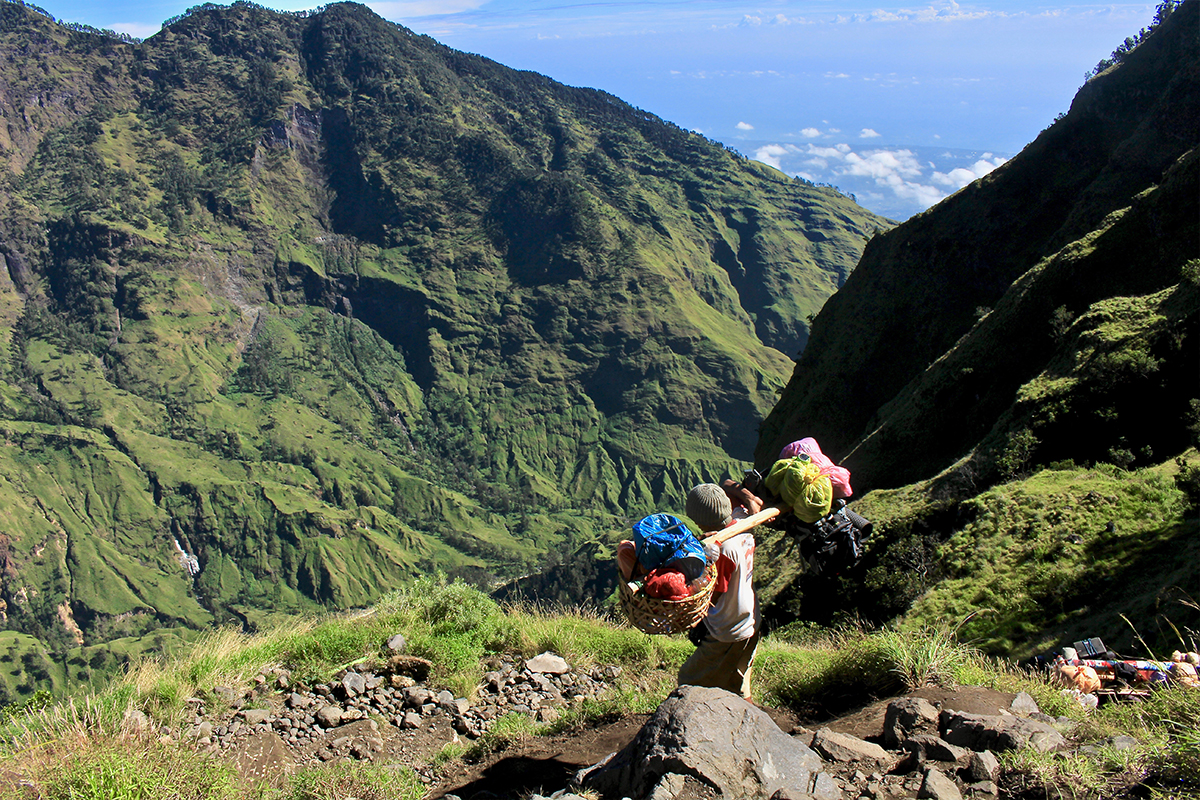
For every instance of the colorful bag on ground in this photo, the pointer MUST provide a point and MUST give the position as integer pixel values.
(798, 480)
(838, 476)
(663, 539)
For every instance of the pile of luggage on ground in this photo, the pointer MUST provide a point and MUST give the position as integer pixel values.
(1091, 670)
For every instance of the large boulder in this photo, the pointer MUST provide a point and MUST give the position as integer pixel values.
(907, 716)
(719, 739)
(982, 732)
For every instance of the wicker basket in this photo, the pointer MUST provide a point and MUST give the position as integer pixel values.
(652, 615)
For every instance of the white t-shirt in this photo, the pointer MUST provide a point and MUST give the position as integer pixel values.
(735, 615)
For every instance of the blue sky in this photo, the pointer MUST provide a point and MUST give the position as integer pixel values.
(897, 103)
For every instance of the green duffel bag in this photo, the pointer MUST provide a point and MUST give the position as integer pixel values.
(802, 486)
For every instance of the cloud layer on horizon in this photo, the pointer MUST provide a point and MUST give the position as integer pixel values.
(894, 181)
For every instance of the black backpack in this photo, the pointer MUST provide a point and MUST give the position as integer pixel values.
(832, 544)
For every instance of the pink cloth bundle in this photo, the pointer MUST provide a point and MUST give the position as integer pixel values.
(838, 476)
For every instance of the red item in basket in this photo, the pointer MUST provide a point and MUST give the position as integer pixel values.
(667, 583)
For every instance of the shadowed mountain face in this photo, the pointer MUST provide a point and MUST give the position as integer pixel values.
(300, 305)
(996, 370)
(1044, 312)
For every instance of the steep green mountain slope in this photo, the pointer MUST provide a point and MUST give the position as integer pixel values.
(1099, 206)
(1021, 461)
(301, 305)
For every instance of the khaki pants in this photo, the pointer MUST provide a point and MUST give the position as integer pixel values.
(721, 665)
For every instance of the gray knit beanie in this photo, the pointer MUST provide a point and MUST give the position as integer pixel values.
(709, 507)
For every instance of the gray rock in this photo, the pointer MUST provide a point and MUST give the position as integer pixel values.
(226, 694)
(547, 663)
(982, 732)
(982, 767)
(329, 716)
(844, 747)
(416, 696)
(803, 735)
(353, 684)
(137, 722)
(1023, 705)
(932, 748)
(669, 788)
(719, 739)
(985, 787)
(397, 644)
(1122, 742)
(410, 720)
(939, 786)
(906, 716)
(295, 700)
(254, 716)
(445, 700)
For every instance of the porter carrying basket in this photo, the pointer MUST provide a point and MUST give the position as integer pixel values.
(655, 615)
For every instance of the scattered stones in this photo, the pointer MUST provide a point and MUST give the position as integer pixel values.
(333, 721)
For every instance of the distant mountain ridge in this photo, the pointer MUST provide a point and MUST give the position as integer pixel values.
(303, 304)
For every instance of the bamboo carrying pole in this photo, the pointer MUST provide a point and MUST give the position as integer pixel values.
(742, 525)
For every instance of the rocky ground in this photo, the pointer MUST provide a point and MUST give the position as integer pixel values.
(932, 743)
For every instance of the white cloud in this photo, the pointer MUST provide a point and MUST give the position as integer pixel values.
(883, 165)
(745, 126)
(138, 29)
(404, 9)
(960, 177)
(835, 130)
(905, 180)
(867, 133)
(810, 133)
(948, 12)
(770, 154)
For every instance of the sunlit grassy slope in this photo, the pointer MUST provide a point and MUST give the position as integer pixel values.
(300, 306)
(85, 748)
(1011, 376)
